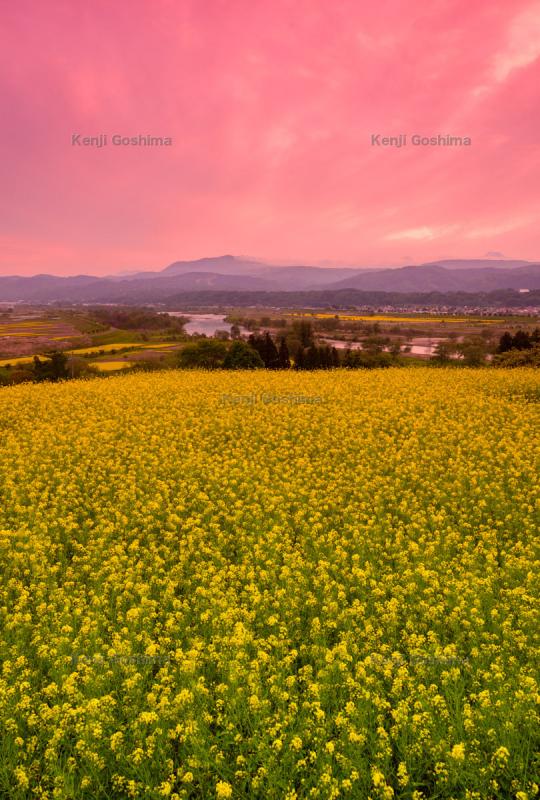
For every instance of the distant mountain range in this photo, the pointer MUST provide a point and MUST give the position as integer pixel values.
(230, 273)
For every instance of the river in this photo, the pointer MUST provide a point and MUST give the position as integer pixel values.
(204, 323)
(420, 346)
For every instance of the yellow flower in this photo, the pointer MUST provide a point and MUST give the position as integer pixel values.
(502, 754)
(22, 778)
(116, 740)
(206, 572)
(377, 777)
(403, 776)
(458, 752)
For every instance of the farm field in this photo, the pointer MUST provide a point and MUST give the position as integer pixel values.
(118, 346)
(131, 351)
(32, 331)
(110, 366)
(27, 336)
(15, 361)
(104, 348)
(420, 318)
(271, 585)
(110, 357)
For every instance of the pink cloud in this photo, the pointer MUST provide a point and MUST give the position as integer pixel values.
(271, 108)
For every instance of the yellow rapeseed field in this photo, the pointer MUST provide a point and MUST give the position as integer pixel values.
(17, 360)
(10, 326)
(103, 348)
(110, 366)
(394, 318)
(271, 585)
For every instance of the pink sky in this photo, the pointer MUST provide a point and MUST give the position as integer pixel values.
(271, 107)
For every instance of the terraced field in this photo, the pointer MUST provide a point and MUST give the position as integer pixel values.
(28, 336)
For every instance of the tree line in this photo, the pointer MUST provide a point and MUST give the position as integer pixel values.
(521, 340)
(261, 350)
(135, 318)
(519, 350)
(355, 299)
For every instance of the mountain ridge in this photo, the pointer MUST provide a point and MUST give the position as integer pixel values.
(230, 273)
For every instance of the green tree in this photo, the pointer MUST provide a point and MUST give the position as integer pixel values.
(473, 351)
(443, 352)
(21, 376)
(374, 344)
(348, 358)
(521, 341)
(272, 356)
(204, 354)
(395, 348)
(265, 347)
(505, 342)
(313, 358)
(242, 356)
(52, 368)
(529, 357)
(283, 355)
(303, 330)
